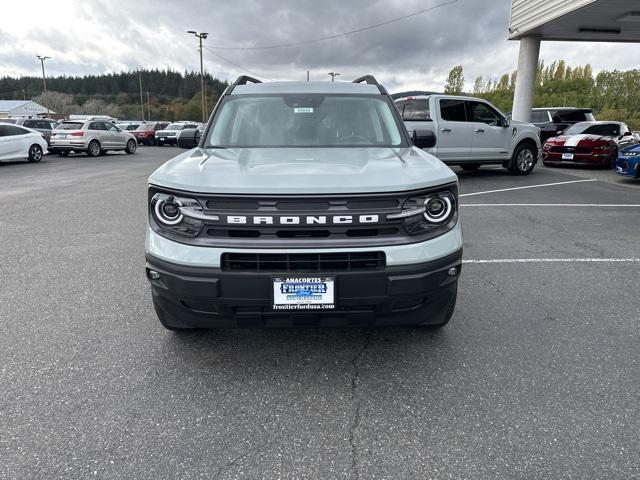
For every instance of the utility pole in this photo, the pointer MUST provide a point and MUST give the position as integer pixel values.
(148, 107)
(333, 75)
(307, 75)
(141, 100)
(44, 81)
(201, 36)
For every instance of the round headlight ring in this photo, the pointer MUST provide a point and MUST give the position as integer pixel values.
(163, 217)
(443, 214)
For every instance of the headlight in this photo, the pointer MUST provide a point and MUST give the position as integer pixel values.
(433, 213)
(630, 154)
(177, 214)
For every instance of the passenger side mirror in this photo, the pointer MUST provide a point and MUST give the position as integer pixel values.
(189, 138)
(424, 138)
(504, 122)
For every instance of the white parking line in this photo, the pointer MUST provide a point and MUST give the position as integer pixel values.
(527, 186)
(555, 260)
(628, 205)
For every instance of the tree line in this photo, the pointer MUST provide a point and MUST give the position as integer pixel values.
(613, 95)
(166, 94)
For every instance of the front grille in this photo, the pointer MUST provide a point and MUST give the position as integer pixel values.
(570, 150)
(303, 262)
(257, 220)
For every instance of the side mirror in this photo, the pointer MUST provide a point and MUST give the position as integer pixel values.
(505, 122)
(424, 138)
(189, 138)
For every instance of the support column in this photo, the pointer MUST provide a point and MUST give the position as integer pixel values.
(526, 78)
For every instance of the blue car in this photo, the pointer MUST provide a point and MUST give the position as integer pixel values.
(628, 163)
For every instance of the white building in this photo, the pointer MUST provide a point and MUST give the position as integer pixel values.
(22, 108)
(568, 20)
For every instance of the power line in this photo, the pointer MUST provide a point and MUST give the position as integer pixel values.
(235, 64)
(336, 35)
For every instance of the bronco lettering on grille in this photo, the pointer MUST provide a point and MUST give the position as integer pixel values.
(300, 220)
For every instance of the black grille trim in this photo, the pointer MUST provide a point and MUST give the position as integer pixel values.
(303, 262)
(570, 150)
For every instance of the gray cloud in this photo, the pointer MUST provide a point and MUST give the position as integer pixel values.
(97, 37)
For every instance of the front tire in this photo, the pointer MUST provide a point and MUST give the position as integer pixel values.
(131, 147)
(93, 150)
(35, 153)
(523, 159)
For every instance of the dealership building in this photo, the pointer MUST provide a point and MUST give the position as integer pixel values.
(534, 21)
(22, 108)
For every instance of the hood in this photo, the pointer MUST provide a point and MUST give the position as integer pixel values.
(302, 170)
(573, 140)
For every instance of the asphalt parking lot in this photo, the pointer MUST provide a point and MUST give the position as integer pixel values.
(535, 377)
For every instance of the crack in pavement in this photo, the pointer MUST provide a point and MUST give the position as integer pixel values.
(228, 465)
(354, 398)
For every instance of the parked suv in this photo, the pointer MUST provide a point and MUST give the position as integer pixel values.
(553, 121)
(92, 136)
(304, 203)
(169, 135)
(146, 132)
(41, 125)
(472, 132)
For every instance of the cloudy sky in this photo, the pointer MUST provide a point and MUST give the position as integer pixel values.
(98, 36)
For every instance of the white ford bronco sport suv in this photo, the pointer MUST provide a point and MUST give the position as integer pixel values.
(303, 203)
(472, 132)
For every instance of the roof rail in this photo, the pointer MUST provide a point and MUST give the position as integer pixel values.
(371, 80)
(241, 80)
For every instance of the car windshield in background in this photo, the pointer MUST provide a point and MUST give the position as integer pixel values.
(310, 120)
(70, 126)
(175, 126)
(602, 129)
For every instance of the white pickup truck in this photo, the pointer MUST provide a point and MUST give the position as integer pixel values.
(472, 132)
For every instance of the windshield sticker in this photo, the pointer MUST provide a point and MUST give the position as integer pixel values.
(303, 110)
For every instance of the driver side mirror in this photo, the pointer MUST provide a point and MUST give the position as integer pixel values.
(189, 138)
(504, 122)
(424, 138)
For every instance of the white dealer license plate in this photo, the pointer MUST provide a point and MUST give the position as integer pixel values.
(567, 156)
(304, 293)
(62, 135)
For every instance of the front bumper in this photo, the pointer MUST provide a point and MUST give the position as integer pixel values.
(201, 297)
(628, 167)
(170, 140)
(595, 159)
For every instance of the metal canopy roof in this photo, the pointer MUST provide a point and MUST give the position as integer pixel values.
(576, 20)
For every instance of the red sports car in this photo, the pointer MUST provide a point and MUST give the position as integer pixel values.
(146, 133)
(588, 143)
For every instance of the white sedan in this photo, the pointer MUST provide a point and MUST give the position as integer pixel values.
(20, 142)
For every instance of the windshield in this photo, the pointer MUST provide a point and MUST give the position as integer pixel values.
(70, 126)
(175, 126)
(602, 129)
(305, 120)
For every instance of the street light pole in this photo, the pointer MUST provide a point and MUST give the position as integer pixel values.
(44, 81)
(333, 75)
(141, 100)
(201, 36)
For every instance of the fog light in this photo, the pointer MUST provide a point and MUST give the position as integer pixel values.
(153, 275)
(452, 272)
